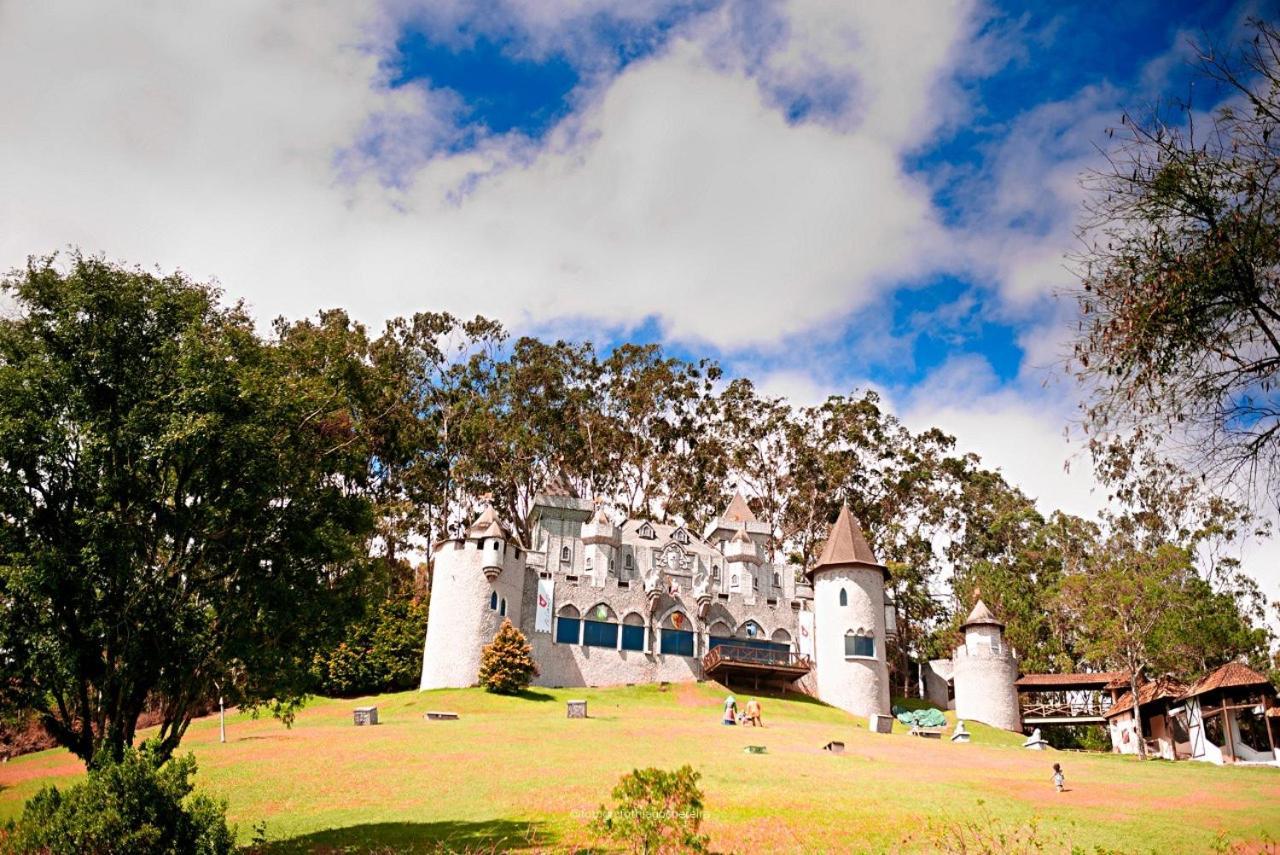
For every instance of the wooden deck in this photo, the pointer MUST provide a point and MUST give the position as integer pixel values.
(733, 665)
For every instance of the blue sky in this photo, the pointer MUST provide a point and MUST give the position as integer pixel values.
(510, 81)
(824, 196)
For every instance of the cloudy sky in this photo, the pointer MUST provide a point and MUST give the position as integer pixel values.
(823, 195)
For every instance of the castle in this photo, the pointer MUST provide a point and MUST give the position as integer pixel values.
(610, 603)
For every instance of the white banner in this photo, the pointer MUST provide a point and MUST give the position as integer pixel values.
(542, 618)
(806, 633)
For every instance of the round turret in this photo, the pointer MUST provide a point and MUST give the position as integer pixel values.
(849, 622)
(476, 583)
(984, 670)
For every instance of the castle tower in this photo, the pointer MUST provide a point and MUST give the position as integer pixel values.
(601, 539)
(983, 671)
(477, 581)
(849, 622)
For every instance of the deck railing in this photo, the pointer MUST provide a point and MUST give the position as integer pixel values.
(733, 654)
(1066, 709)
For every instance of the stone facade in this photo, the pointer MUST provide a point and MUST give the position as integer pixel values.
(621, 585)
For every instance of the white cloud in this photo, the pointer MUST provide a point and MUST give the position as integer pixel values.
(218, 140)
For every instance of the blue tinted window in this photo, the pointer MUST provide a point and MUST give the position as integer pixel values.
(632, 638)
(677, 642)
(844, 597)
(493, 601)
(859, 645)
(598, 634)
(502, 609)
(567, 630)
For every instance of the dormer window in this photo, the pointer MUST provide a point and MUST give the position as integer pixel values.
(646, 531)
(680, 536)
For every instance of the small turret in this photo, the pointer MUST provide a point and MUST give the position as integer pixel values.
(984, 670)
(741, 549)
(600, 531)
(493, 549)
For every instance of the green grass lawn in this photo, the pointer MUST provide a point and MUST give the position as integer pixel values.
(517, 773)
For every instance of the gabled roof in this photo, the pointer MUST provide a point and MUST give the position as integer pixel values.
(845, 545)
(981, 615)
(738, 510)
(1155, 690)
(1233, 674)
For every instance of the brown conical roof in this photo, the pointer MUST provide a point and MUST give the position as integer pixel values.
(981, 615)
(741, 536)
(738, 510)
(487, 517)
(846, 544)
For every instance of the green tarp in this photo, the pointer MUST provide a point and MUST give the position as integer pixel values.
(920, 718)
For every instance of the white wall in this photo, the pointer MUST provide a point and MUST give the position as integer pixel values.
(859, 686)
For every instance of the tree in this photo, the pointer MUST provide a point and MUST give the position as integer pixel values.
(506, 664)
(655, 812)
(1180, 272)
(179, 504)
(1125, 608)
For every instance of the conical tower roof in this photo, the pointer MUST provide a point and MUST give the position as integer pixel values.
(742, 536)
(845, 544)
(738, 510)
(487, 517)
(981, 616)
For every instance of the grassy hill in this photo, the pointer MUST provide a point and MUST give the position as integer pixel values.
(516, 773)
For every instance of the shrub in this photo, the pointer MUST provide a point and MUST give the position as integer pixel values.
(507, 665)
(381, 652)
(139, 804)
(655, 811)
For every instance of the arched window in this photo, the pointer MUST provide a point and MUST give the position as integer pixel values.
(777, 580)
(633, 632)
(493, 601)
(680, 536)
(496, 545)
(755, 582)
(568, 626)
(588, 564)
(565, 555)
(627, 561)
(859, 645)
(677, 635)
(502, 607)
(720, 633)
(844, 597)
(646, 531)
(734, 582)
(715, 572)
(600, 627)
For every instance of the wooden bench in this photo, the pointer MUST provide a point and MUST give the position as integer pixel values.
(928, 732)
(436, 715)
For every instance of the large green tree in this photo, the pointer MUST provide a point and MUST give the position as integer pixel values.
(181, 504)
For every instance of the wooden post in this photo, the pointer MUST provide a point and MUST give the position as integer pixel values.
(1226, 726)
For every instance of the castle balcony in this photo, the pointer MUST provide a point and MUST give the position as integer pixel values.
(730, 663)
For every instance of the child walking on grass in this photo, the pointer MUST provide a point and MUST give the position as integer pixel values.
(1058, 778)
